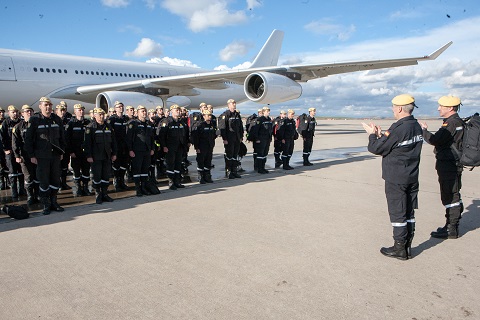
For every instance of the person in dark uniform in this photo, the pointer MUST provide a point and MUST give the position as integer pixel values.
(231, 129)
(45, 144)
(15, 171)
(277, 144)
(203, 138)
(400, 147)
(448, 143)
(21, 157)
(68, 115)
(173, 137)
(159, 154)
(100, 149)
(140, 145)
(74, 137)
(308, 135)
(287, 134)
(61, 111)
(119, 121)
(4, 183)
(261, 135)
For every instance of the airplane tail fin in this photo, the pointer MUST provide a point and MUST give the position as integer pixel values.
(268, 55)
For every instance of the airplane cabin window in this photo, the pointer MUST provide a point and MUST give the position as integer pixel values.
(59, 70)
(35, 69)
(54, 71)
(101, 73)
(97, 73)
(76, 71)
(41, 69)
(81, 71)
(48, 70)
(65, 71)
(86, 72)
(116, 74)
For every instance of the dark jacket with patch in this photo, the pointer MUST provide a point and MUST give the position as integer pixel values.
(45, 136)
(100, 143)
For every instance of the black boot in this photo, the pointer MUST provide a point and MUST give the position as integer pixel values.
(201, 177)
(116, 182)
(451, 232)
(177, 181)
(255, 162)
(305, 160)
(3, 184)
(397, 251)
(278, 160)
(208, 176)
(138, 188)
(63, 181)
(98, 196)
(234, 169)
(21, 185)
(85, 189)
(171, 184)
(30, 196)
(14, 186)
(121, 181)
(410, 235)
(45, 200)
(258, 166)
(53, 202)
(79, 190)
(143, 187)
(286, 166)
(105, 196)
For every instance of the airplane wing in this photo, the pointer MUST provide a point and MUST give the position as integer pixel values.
(185, 84)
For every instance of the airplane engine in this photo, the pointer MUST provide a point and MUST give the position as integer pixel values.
(266, 87)
(107, 100)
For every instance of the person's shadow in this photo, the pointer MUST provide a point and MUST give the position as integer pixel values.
(470, 222)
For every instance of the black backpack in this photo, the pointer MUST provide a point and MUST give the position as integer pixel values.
(16, 212)
(302, 123)
(470, 155)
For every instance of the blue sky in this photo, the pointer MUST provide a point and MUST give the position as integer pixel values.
(219, 34)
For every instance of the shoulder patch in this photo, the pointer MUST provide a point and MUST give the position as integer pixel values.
(108, 121)
(195, 118)
(13, 130)
(87, 130)
(164, 124)
(130, 126)
(445, 125)
(223, 117)
(387, 133)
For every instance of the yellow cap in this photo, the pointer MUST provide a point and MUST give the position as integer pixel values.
(1, 109)
(174, 106)
(12, 108)
(61, 107)
(449, 101)
(266, 108)
(98, 110)
(26, 107)
(45, 99)
(206, 112)
(139, 107)
(151, 111)
(403, 99)
(63, 103)
(203, 104)
(282, 112)
(159, 107)
(130, 107)
(78, 106)
(111, 109)
(230, 101)
(291, 111)
(311, 109)
(260, 110)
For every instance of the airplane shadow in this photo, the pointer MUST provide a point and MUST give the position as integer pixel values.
(470, 222)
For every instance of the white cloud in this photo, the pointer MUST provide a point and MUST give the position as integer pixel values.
(329, 28)
(205, 14)
(151, 4)
(252, 4)
(244, 65)
(115, 3)
(146, 48)
(234, 50)
(173, 62)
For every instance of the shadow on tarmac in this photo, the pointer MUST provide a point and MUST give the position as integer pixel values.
(66, 199)
(470, 222)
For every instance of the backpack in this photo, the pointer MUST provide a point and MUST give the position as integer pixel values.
(16, 212)
(249, 124)
(302, 123)
(470, 155)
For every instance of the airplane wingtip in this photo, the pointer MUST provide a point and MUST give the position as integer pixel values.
(434, 55)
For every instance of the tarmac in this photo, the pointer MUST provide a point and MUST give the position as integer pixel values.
(299, 244)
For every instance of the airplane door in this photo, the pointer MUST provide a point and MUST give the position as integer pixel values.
(7, 72)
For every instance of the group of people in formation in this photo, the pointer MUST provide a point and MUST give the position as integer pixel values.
(137, 144)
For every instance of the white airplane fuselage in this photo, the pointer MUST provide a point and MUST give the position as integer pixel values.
(27, 76)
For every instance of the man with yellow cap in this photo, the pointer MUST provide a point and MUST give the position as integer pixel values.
(100, 149)
(74, 136)
(307, 131)
(173, 137)
(15, 171)
(21, 157)
(287, 134)
(230, 125)
(45, 144)
(261, 136)
(277, 144)
(4, 183)
(61, 111)
(141, 146)
(203, 138)
(400, 147)
(448, 143)
(119, 122)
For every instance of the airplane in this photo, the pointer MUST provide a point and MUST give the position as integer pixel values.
(26, 76)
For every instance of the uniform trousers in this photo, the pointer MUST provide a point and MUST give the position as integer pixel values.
(174, 158)
(141, 164)
(287, 148)
(204, 158)
(450, 185)
(402, 199)
(81, 167)
(48, 174)
(101, 173)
